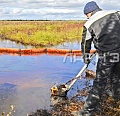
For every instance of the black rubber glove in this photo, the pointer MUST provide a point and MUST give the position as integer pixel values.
(86, 58)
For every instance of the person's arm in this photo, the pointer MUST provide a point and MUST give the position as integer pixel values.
(86, 43)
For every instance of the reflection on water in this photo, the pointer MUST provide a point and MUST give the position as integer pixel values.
(6, 90)
(12, 44)
(25, 81)
(66, 45)
(69, 45)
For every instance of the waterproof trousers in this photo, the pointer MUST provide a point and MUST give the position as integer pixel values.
(107, 82)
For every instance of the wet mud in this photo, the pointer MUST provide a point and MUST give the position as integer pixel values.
(63, 106)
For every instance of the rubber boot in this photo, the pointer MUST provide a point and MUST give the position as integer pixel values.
(89, 106)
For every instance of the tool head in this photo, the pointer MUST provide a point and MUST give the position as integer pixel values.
(62, 89)
(59, 90)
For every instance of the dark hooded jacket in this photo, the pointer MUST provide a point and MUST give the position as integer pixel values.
(103, 29)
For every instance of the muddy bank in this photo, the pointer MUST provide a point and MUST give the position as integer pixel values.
(67, 107)
(63, 106)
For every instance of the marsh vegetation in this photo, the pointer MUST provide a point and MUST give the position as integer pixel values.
(41, 33)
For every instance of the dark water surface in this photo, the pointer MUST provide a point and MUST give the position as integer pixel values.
(25, 81)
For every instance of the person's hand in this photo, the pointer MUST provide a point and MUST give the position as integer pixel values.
(86, 58)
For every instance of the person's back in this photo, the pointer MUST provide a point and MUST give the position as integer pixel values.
(105, 26)
(103, 29)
